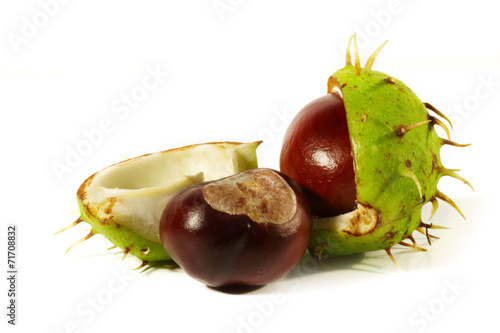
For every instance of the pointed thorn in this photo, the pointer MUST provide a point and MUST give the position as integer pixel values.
(145, 252)
(357, 63)
(323, 245)
(348, 53)
(427, 227)
(451, 173)
(428, 236)
(436, 121)
(370, 61)
(433, 226)
(402, 130)
(439, 113)
(388, 251)
(405, 171)
(451, 143)
(125, 252)
(317, 256)
(78, 220)
(144, 263)
(444, 197)
(410, 237)
(171, 266)
(435, 205)
(416, 248)
(146, 269)
(406, 244)
(112, 247)
(420, 229)
(90, 234)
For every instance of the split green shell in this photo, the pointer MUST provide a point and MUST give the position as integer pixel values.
(124, 202)
(396, 160)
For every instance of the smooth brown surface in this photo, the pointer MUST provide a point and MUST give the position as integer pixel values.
(317, 154)
(222, 249)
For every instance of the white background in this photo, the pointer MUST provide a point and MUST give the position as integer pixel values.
(235, 73)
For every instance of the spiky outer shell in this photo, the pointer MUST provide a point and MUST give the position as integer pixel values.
(123, 238)
(396, 171)
(124, 201)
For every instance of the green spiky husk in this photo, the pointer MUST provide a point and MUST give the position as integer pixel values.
(377, 105)
(123, 238)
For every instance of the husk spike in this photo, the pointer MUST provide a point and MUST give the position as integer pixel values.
(444, 197)
(435, 205)
(78, 220)
(388, 251)
(436, 121)
(414, 246)
(125, 252)
(144, 263)
(357, 63)
(425, 233)
(371, 59)
(439, 113)
(348, 53)
(410, 237)
(90, 234)
(451, 143)
(403, 129)
(405, 171)
(452, 173)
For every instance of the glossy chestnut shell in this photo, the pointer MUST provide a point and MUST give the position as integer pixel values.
(244, 230)
(316, 152)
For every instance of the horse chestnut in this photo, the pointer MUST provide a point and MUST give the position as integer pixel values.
(369, 157)
(317, 153)
(248, 229)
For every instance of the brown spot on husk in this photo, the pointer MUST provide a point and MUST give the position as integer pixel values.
(102, 210)
(363, 221)
(390, 80)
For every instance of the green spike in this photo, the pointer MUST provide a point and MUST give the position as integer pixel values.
(405, 171)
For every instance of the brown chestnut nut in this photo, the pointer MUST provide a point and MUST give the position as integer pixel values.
(317, 153)
(248, 229)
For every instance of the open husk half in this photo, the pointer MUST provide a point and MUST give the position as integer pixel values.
(124, 201)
